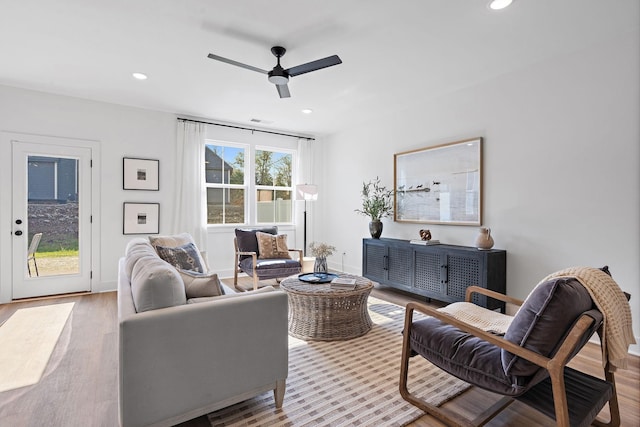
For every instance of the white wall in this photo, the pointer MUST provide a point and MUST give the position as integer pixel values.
(120, 131)
(561, 167)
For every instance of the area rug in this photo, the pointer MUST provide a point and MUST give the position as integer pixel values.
(348, 383)
(27, 340)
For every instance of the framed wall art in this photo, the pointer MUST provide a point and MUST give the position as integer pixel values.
(140, 174)
(141, 218)
(440, 184)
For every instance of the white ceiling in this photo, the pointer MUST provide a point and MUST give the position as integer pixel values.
(395, 54)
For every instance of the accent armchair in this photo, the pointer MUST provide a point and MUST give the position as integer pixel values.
(528, 363)
(249, 260)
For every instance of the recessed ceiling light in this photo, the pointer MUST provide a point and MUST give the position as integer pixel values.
(139, 76)
(499, 4)
(307, 111)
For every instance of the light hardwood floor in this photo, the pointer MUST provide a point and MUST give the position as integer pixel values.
(81, 390)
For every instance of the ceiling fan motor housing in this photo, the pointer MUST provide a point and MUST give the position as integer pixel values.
(278, 75)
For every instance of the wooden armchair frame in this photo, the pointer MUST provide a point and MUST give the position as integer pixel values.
(560, 378)
(254, 264)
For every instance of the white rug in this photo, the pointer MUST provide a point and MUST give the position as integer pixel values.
(348, 383)
(27, 340)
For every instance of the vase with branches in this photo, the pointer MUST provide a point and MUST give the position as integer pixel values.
(377, 203)
(321, 251)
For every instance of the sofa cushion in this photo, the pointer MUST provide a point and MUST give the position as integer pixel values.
(543, 320)
(172, 241)
(232, 295)
(271, 247)
(155, 284)
(198, 285)
(185, 257)
(247, 241)
(136, 249)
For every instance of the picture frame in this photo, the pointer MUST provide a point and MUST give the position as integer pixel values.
(140, 174)
(141, 218)
(440, 184)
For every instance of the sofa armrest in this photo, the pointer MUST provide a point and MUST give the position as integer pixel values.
(191, 356)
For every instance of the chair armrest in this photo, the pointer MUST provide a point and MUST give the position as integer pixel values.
(496, 295)
(300, 255)
(247, 253)
(561, 357)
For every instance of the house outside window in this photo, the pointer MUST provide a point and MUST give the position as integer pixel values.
(243, 191)
(273, 171)
(226, 184)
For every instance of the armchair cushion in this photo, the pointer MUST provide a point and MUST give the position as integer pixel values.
(271, 268)
(270, 246)
(185, 257)
(199, 285)
(247, 240)
(463, 355)
(544, 318)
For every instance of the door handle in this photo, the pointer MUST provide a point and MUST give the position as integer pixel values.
(18, 233)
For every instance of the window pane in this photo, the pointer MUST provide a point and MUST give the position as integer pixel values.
(225, 206)
(273, 206)
(273, 168)
(224, 165)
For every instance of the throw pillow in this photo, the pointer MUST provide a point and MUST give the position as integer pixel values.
(199, 285)
(185, 257)
(247, 241)
(270, 246)
(176, 240)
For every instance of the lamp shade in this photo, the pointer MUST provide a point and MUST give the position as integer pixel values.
(306, 192)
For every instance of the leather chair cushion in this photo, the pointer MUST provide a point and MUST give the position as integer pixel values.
(543, 320)
(464, 356)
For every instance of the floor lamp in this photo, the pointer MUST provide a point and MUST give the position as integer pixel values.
(306, 192)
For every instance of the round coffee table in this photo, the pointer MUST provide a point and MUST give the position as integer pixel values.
(325, 313)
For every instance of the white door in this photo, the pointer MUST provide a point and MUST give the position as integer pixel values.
(52, 204)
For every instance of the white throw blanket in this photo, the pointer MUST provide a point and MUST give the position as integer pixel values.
(608, 297)
(481, 318)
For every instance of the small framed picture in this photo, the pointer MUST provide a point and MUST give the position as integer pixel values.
(141, 218)
(140, 174)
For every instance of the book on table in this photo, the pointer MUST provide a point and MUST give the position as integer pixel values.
(343, 283)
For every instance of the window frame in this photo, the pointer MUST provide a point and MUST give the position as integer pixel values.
(250, 187)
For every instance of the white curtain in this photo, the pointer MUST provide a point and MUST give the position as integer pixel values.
(304, 175)
(190, 207)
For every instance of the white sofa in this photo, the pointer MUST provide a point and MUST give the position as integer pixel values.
(182, 361)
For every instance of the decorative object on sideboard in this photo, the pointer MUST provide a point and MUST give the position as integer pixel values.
(376, 204)
(440, 184)
(321, 251)
(140, 174)
(425, 239)
(484, 241)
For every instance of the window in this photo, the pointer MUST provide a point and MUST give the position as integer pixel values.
(231, 177)
(273, 186)
(226, 183)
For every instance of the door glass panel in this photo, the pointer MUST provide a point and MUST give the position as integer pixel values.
(52, 204)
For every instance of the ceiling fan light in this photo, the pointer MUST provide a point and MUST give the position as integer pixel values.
(499, 4)
(278, 80)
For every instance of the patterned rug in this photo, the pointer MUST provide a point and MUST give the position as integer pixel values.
(348, 383)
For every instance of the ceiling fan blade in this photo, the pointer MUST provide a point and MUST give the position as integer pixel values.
(236, 63)
(329, 61)
(283, 91)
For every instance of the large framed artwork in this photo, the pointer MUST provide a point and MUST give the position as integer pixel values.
(141, 218)
(440, 184)
(140, 174)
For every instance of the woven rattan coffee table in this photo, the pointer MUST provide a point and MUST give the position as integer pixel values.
(325, 313)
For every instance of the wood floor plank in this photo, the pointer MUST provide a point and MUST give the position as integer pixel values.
(81, 388)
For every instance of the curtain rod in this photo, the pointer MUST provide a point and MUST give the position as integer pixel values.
(244, 128)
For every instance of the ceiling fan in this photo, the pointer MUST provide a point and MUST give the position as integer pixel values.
(280, 76)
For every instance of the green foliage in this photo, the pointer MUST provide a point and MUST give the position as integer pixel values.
(377, 201)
